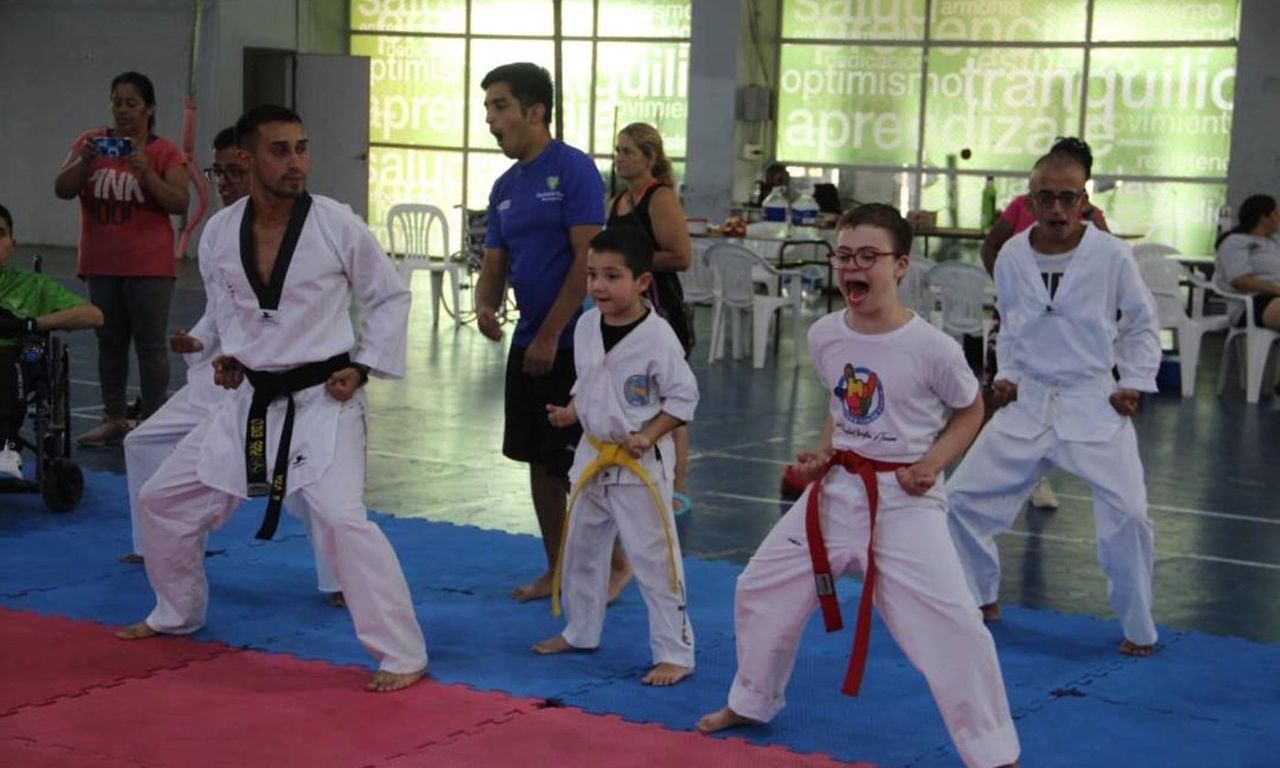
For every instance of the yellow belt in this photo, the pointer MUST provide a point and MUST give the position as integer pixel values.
(613, 455)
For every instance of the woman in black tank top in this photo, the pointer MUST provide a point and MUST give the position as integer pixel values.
(649, 203)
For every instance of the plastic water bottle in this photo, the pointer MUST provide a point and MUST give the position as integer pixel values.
(775, 206)
(1224, 219)
(989, 204)
(804, 211)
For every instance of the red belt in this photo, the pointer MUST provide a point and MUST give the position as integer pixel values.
(866, 469)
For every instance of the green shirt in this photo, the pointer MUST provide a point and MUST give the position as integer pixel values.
(28, 294)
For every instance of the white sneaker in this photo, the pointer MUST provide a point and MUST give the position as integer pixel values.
(1043, 496)
(10, 461)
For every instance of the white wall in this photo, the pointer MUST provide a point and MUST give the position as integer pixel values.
(1255, 129)
(57, 59)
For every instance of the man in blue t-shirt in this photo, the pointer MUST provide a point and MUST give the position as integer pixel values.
(542, 213)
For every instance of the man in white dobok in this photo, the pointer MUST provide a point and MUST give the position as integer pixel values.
(148, 445)
(282, 268)
(1073, 308)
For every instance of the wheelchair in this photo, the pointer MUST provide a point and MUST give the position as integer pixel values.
(44, 383)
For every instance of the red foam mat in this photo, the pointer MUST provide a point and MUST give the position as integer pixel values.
(73, 695)
(46, 657)
(250, 709)
(571, 738)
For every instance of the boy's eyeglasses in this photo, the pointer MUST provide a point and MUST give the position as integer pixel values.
(1045, 199)
(217, 173)
(863, 258)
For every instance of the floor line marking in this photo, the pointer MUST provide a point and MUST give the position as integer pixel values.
(1049, 536)
(1187, 510)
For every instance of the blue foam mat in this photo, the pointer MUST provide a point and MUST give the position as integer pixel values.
(1202, 701)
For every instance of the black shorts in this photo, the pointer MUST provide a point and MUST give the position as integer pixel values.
(527, 435)
(1260, 304)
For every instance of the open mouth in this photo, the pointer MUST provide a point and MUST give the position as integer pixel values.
(856, 290)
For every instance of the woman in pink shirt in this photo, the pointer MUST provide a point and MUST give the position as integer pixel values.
(127, 245)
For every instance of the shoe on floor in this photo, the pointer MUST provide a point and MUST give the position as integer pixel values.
(1043, 496)
(109, 432)
(10, 461)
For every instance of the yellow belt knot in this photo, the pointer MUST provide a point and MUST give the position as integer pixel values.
(614, 455)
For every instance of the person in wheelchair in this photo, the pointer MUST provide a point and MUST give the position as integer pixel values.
(30, 303)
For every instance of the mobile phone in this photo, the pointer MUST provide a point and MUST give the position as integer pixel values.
(114, 146)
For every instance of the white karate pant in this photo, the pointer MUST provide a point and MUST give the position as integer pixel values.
(988, 489)
(153, 441)
(920, 593)
(627, 510)
(177, 511)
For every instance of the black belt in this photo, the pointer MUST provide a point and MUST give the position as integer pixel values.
(269, 386)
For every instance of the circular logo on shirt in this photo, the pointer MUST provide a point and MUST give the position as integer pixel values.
(860, 393)
(636, 390)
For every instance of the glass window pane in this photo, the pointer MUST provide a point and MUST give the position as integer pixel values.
(423, 16)
(415, 176)
(848, 105)
(642, 82)
(488, 54)
(1133, 20)
(645, 18)
(483, 169)
(812, 19)
(1181, 215)
(1006, 106)
(1016, 21)
(511, 17)
(415, 89)
(1156, 112)
(963, 196)
(576, 18)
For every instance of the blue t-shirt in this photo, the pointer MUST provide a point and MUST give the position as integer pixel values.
(531, 209)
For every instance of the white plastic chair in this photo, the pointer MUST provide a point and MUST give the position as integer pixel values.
(410, 225)
(1257, 341)
(733, 267)
(1164, 277)
(698, 281)
(964, 290)
(913, 290)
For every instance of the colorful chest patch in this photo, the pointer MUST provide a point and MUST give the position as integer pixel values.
(636, 390)
(861, 394)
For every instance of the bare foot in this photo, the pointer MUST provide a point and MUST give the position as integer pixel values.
(555, 644)
(990, 611)
(385, 682)
(722, 719)
(136, 631)
(666, 673)
(619, 578)
(337, 600)
(131, 559)
(1130, 648)
(534, 590)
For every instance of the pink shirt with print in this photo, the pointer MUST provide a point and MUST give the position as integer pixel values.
(123, 230)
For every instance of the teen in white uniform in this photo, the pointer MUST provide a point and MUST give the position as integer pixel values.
(889, 433)
(1060, 286)
(633, 387)
(147, 446)
(292, 321)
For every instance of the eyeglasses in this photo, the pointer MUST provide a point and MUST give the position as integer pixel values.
(863, 258)
(1045, 199)
(217, 173)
